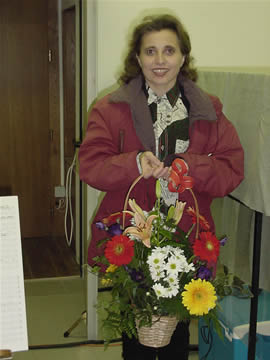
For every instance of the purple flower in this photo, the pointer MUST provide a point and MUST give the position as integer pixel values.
(223, 241)
(204, 273)
(101, 226)
(136, 275)
(115, 229)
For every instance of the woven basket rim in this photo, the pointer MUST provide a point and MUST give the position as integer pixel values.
(159, 333)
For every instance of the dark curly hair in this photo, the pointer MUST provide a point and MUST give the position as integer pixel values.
(157, 23)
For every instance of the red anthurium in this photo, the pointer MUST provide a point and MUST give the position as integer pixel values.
(179, 183)
(187, 182)
(178, 180)
(180, 166)
(173, 181)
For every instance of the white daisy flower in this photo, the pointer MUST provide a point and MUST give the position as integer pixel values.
(172, 280)
(173, 265)
(166, 250)
(185, 267)
(178, 252)
(171, 291)
(159, 290)
(157, 275)
(156, 259)
(189, 267)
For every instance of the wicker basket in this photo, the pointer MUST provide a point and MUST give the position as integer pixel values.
(159, 333)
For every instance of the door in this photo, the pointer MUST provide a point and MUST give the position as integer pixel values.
(26, 133)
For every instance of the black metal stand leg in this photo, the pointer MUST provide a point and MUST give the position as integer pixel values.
(255, 286)
(76, 323)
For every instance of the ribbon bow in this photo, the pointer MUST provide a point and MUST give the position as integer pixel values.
(178, 180)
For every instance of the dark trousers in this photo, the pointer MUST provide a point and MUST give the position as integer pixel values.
(177, 349)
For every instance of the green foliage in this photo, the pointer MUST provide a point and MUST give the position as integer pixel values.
(212, 317)
(227, 283)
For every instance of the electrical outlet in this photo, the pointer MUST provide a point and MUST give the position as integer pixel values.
(59, 192)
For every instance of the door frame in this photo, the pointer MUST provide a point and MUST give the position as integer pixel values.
(78, 235)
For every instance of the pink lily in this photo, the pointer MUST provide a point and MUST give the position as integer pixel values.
(143, 228)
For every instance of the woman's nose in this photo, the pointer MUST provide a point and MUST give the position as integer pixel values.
(160, 59)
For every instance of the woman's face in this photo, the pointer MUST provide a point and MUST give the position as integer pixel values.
(160, 59)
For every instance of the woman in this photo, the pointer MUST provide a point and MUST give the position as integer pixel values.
(158, 114)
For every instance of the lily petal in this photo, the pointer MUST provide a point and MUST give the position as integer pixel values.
(136, 208)
(140, 234)
(149, 221)
(139, 221)
(178, 212)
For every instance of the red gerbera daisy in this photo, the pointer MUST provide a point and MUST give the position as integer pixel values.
(203, 222)
(207, 247)
(119, 250)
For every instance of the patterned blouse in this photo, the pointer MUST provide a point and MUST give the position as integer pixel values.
(171, 125)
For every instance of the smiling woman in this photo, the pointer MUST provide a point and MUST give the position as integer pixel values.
(159, 115)
(160, 59)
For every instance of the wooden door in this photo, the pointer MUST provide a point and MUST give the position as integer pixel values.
(25, 135)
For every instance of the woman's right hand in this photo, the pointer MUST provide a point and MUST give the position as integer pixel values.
(152, 166)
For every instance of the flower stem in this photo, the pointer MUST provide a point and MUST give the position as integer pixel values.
(197, 212)
(189, 231)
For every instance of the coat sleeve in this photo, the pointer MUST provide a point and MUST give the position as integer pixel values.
(102, 165)
(218, 167)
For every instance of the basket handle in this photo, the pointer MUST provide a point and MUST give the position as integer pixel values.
(127, 197)
(197, 213)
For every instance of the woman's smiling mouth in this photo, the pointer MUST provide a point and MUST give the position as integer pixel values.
(160, 71)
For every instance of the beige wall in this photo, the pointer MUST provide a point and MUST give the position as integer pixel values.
(223, 33)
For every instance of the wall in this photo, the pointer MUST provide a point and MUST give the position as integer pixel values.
(223, 33)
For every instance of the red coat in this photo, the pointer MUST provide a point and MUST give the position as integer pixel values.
(120, 126)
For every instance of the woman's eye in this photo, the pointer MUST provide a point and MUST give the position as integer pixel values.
(150, 51)
(170, 51)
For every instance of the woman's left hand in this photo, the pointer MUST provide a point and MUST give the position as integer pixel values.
(162, 172)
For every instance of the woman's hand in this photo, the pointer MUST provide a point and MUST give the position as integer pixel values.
(152, 166)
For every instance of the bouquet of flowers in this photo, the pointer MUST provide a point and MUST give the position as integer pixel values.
(155, 272)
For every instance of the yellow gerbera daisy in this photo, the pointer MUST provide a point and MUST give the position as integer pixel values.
(199, 297)
(111, 268)
(106, 282)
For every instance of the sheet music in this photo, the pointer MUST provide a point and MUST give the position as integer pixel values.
(13, 328)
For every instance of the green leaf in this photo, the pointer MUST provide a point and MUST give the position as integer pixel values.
(102, 242)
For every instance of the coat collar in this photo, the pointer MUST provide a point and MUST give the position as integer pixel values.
(200, 106)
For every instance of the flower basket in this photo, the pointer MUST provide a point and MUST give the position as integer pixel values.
(159, 333)
(153, 267)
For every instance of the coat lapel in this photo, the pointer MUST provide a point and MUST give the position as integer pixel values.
(200, 108)
(133, 95)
